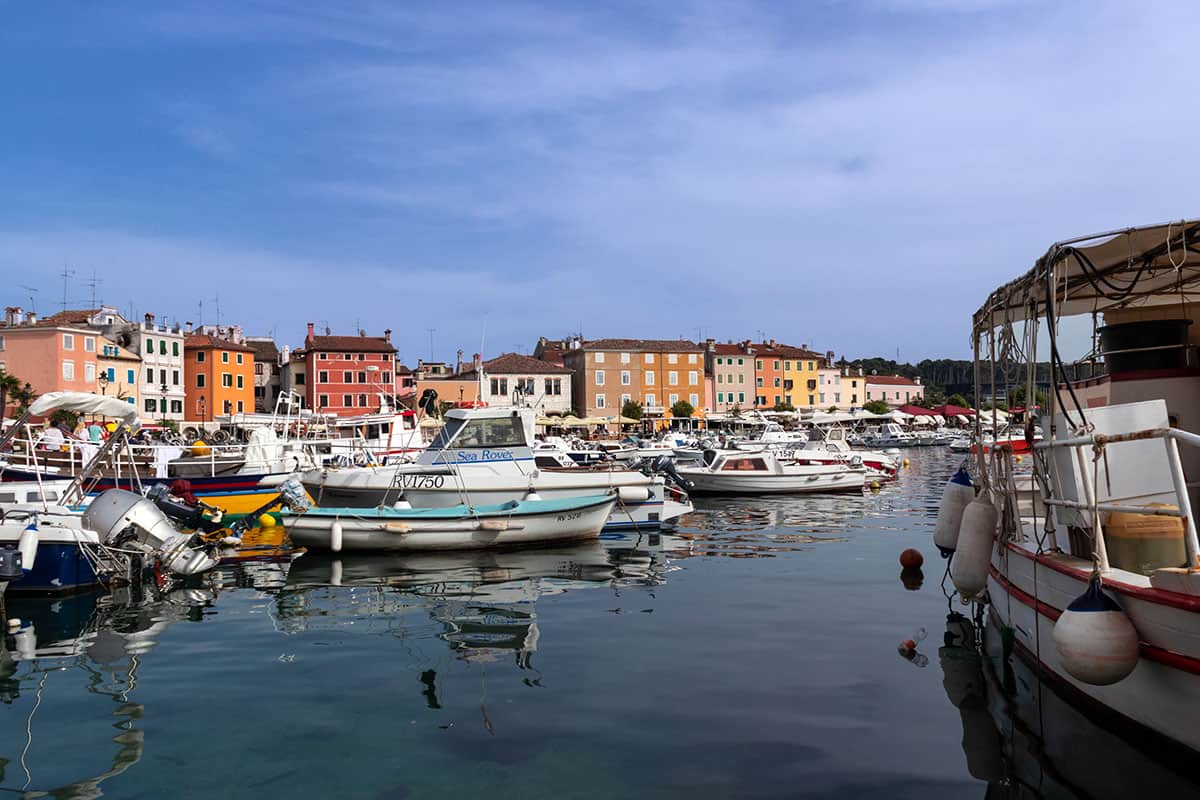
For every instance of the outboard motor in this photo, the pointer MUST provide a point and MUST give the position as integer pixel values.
(121, 518)
(183, 508)
(665, 465)
(428, 401)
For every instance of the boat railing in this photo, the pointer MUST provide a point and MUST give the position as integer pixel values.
(1096, 443)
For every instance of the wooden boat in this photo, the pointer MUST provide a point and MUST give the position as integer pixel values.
(461, 527)
(1091, 568)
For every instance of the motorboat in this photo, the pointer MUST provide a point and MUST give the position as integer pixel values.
(890, 435)
(484, 456)
(766, 472)
(462, 527)
(1088, 563)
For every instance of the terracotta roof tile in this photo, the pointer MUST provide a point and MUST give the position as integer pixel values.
(890, 380)
(350, 344)
(644, 345)
(200, 341)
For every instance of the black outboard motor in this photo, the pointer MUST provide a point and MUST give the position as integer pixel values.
(665, 465)
(189, 516)
(428, 401)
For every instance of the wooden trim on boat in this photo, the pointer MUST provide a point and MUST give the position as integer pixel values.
(1183, 602)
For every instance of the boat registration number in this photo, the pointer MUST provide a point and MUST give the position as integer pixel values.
(422, 481)
(570, 516)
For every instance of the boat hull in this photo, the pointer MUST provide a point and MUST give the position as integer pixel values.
(1028, 593)
(530, 523)
(440, 489)
(705, 482)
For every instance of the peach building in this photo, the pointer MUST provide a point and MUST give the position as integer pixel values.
(606, 373)
(49, 356)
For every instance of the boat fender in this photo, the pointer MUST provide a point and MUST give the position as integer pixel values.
(335, 536)
(401, 505)
(1096, 641)
(493, 524)
(27, 546)
(633, 494)
(532, 496)
(335, 573)
(969, 567)
(959, 492)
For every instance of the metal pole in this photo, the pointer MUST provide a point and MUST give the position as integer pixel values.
(1089, 496)
(1185, 505)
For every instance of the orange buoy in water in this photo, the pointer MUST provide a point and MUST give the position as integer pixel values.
(911, 559)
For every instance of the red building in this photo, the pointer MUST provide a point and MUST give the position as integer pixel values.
(345, 375)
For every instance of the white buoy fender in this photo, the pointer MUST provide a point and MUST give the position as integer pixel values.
(27, 545)
(973, 554)
(1096, 641)
(959, 492)
(335, 536)
(633, 494)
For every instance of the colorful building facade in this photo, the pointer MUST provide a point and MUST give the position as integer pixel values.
(347, 375)
(607, 373)
(219, 377)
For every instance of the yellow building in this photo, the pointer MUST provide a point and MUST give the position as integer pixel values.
(117, 373)
(799, 372)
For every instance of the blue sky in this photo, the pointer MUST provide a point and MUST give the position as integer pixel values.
(855, 176)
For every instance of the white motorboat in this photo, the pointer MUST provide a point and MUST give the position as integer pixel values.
(889, 435)
(1090, 567)
(766, 472)
(463, 527)
(484, 456)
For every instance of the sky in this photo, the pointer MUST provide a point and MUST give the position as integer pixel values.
(854, 176)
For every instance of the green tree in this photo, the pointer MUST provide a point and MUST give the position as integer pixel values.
(10, 386)
(876, 407)
(736, 411)
(831, 410)
(784, 407)
(632, 409)
(1016, 398)
(957, 400)
(682, 409)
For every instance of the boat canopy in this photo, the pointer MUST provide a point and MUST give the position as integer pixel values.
(1134, 267)
(86, 403)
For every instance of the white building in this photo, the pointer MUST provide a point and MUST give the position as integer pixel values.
(526, 380)
(161, 349)
(893, 389)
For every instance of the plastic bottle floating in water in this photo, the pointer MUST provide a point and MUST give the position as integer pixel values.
(908, 648)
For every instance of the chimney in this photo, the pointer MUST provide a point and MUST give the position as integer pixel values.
(13, 315)
(917, 380)
(308, 339)
(829, 358)
(387, 335)
(285, 355)
(710, 345)
(476, 362)
(31, 317)
(860, 372)
(187, 327)
(803, 347)
(149, 320)
(361, 332)
(772, 344)
(458, 362)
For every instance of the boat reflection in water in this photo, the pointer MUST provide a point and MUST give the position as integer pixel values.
(482, 603)
(1027, 740)
(71, 652)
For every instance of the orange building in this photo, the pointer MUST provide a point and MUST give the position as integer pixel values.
(607, 373)
(219, 375)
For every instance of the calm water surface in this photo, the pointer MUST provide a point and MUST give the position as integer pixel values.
(752, 653)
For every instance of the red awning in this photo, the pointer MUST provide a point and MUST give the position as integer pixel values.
(918, 411)
(953, 411)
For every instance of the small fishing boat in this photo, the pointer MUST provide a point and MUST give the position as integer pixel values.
(766, 472)
(460, 527)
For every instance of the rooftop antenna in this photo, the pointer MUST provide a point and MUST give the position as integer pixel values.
(432, 331)
(32, 291)
(200, 315)
(66, 275)
(217, 302)
(94, 282)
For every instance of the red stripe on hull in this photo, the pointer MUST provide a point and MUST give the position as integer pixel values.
(1148, 651)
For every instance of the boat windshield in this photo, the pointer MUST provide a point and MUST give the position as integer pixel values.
(490, 433)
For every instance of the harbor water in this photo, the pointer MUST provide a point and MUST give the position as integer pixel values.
(751, 653)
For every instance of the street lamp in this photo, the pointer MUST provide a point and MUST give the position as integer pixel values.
(163, 408)
(103, 382)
